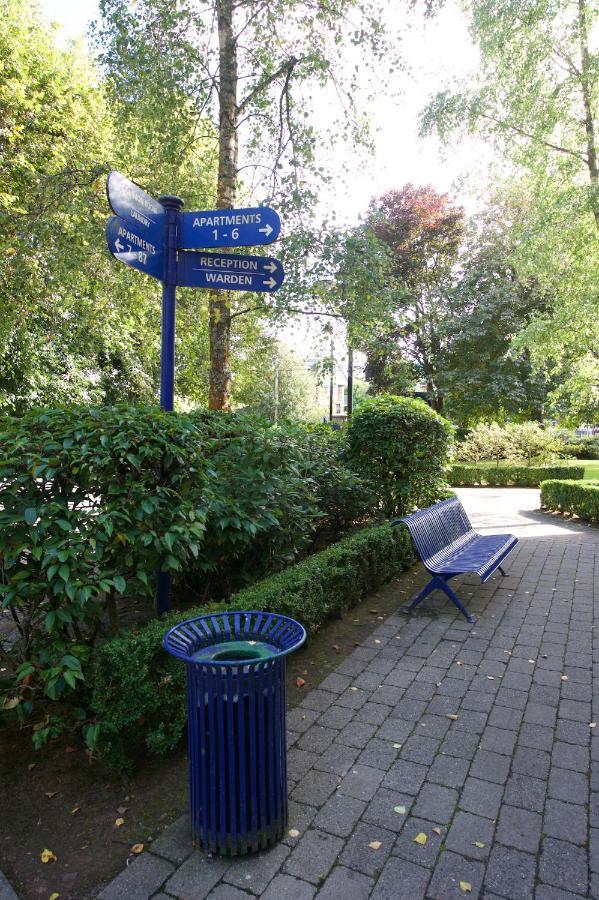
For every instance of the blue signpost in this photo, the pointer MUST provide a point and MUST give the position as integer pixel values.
(229, 227)
(156, 237)
(229, 272)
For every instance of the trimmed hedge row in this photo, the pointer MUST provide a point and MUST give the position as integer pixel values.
(509, 476)
(580, 498)
(139, 691)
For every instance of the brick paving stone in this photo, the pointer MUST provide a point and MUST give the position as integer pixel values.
(220, 892)
(299, 719)
(529, 761)
(175, 843)
(385, 809)
(536, 736)
(490, 766)
(361, 782)
(566, 821)
(436, 803)
(460, 743)
(519, 828)
(339, 815)
(379, 754)
(346, 884)
(481, 797)
(510, 873)
(140, 879)
(395, 730)
(360, 855)
(194, 879)
(529, 793)
(420, 749)
(337, 760)
(353, 698)
(499, 740)
(423, 854)
(314, 856)
(449, 872)
(433, 726)
(284, 887)
(315, 788)
(567, 785)
(255, 871)
(449, 771)
(546, 892)
(373, 713)
(317, 738)
(468, 830)
(299, 819)
(336, 717)
(570, 756)
(564, 865)
(300, 761)
(318, 699)
(356, 734)
(401, 880)
(406, 777)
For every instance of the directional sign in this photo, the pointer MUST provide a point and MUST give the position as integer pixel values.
(228, 272)
(229, 228)
(129, 243)
(131, 202)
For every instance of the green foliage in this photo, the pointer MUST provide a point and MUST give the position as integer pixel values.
(581, 448)
(92, 501)
(580, 498)
(523, 440)
(508, 476)
(400, 446)
(139, 691)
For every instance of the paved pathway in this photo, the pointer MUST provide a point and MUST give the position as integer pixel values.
(478, 738)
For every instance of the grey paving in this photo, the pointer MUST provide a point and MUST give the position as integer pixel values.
(6, 891)
(440, 760)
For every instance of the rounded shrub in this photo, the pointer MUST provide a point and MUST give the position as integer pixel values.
(401, 446)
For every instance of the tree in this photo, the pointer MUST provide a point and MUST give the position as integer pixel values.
(537, 89)
(489, 304)
(276, 385)
(249, 64)
(423, 231)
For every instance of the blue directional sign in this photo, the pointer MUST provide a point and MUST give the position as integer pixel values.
(229, 272)
(131, 202)
(229, 228)
(129, 243)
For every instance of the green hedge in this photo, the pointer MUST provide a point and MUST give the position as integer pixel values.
(578, 497)
(139, 695)
(509, 476)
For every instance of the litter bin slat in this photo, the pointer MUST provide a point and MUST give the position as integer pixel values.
(236, 729)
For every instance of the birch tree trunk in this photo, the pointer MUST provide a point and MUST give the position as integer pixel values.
(219, 302)
(589, 122)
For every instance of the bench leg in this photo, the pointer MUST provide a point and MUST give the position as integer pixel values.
(437, 582)
(502, 572)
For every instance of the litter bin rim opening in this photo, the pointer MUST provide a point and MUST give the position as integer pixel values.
(186, 638)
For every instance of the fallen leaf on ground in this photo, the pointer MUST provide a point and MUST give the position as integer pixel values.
(376, 641)
(11, 703)
(564, 677)
(491, 677)
(137, 848)
(421, 839)
(54, 896)
(459, 662)
(46, 856)
(75, 809)
(122, 810)
(400, 809)
(336, 648)
(466, 887)
(293, 832)
(119, 822)
(592, 724)
(397, 746)
(300, 682)
(479, 844)
(31, 766)
(70, 749)
(531, 661)
(50, 794)
(375, 845)
(437, 830)
(452, 716)
(374, 611)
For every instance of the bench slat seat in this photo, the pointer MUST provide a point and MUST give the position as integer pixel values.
(448, 546)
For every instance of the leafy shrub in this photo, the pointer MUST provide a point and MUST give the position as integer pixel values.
(512, 476)
(580, 498)
(92, 501)
(525, 440)
(400, 446)
(582, 448)
(139, 691)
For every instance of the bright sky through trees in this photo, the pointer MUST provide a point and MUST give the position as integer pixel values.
(434, 53)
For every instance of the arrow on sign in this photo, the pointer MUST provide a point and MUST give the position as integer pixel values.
(229, 272)
(140, 209)
(246, 227)
(129, 244)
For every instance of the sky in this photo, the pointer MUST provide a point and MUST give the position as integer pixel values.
(435, 52)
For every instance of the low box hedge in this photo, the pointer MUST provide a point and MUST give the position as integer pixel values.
(509, 476)
(580, 498)
(139, 691)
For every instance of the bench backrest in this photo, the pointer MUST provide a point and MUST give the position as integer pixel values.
(435, 527)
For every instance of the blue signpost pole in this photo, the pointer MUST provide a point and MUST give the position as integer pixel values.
(173, 206)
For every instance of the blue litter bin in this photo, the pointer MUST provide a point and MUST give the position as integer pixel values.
(236, 711)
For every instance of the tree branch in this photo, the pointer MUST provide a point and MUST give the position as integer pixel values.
(510, 126)
(285, 68)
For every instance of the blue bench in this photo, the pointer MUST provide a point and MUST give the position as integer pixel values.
(448, 546)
